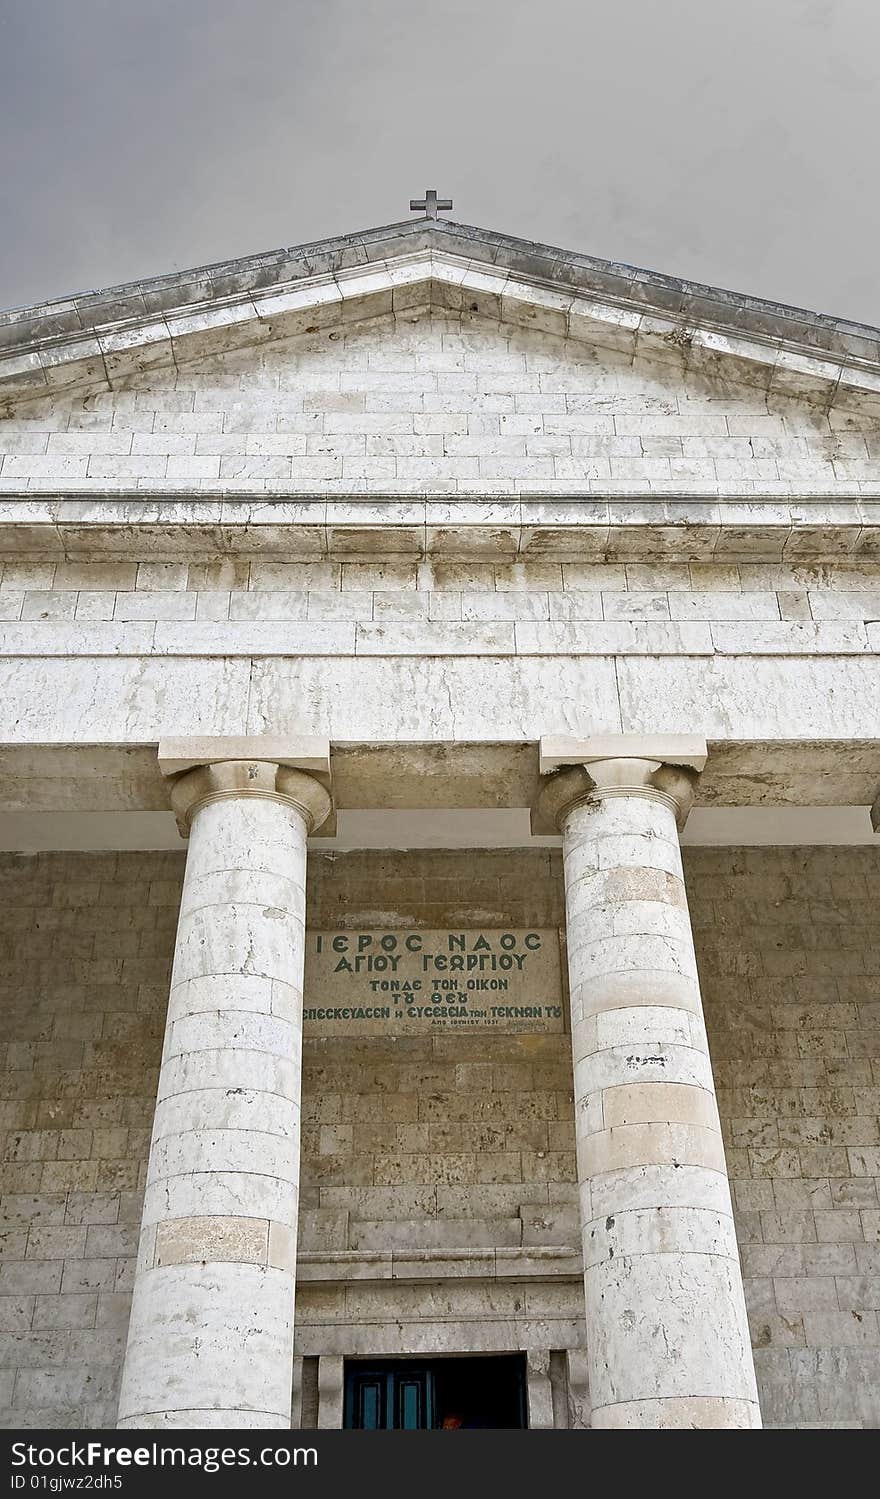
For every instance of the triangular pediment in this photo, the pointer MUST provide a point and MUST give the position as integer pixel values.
(104, 341)
(436, 396)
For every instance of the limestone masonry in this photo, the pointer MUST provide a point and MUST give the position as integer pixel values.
(438, 887)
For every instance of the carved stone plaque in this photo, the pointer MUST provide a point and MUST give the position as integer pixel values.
(375, 982)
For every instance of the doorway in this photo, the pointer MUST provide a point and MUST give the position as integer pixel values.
(487, 1393)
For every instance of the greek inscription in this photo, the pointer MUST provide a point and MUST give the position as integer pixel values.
(400, 982)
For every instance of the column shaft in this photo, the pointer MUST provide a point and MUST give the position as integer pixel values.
(667, 1336)
(211, 1335)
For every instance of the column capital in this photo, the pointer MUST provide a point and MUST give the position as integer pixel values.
(223, 780)
(601, 779)
(291, 768)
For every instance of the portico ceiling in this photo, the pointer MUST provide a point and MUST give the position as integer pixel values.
(453, 796)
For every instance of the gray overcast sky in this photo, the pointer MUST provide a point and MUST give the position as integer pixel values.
(734, 143)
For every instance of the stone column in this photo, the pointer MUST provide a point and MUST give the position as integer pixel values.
(210, 1341)
(667, 1337)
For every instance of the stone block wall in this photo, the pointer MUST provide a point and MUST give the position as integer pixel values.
(457, 1140)
(453, 404)
(444, 1141)
(788, 945)
(86, 946)
(370, 606)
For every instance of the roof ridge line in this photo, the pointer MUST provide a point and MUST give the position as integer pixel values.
(440, 229)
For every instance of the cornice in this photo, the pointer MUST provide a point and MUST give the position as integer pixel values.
(101, 340)
(799, 527)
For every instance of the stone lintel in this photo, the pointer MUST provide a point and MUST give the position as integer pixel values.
(427, 1266)
(687, 750)
(308, 752)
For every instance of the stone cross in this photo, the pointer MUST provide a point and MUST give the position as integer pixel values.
(430, 203)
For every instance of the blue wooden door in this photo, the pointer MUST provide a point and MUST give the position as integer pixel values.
(399, 1399)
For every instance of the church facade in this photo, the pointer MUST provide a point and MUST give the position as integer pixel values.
(439, 952)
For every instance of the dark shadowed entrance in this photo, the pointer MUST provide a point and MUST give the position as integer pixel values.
(446, 1393)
